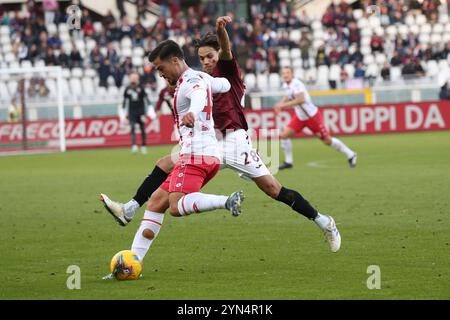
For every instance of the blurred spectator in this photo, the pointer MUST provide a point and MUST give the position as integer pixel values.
(444, 93)
(360, 72)
(386, 72)
(104, 71)
(50, 58)
(76, 60)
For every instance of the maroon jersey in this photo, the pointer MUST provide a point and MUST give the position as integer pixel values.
(165, 95)
(228, 111)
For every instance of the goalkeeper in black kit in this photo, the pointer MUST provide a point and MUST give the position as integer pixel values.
(135, 100)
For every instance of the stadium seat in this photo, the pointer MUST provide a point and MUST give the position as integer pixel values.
(12, 87)
(444, 18)
(424, 38)
(425, 28)
(365, 50)
(438, 28)
(363, 23)
(126, 52)
(410, 20)
(350, 68)
(372, 70)
(421, 19)
(90, 44)
(113, 92)
(443, 64)
(436, 38)
(403, 30)
(262, 81)
(90, 73)
(80, 44)
(295, 35)
(334, 72)
(322, 76)
(77, 72)
(396, 73)
(5, 40)
(365, 41)
(297, 63)
(4, 93)
(88, 86)
(65, 89)
(14, 64)
(250, 81)
(52, 28)
(138, 51)
(415, 29)
(391, 31)
(366, 32)
(66, 74)
(137, 61)
(62, 27)
(380, 58)
(295, 53)
(75, 86)
(446, 37)
(26, 64)
(358, 14)
(9, 57)
(98, 27)
(319, 35)
(126, 43)
(274, 81)
(39, 63)
(317, 43)
(316, 25)
(51, 85)
(374, 21)
(432, 68)
(285, 63)
(283, 54)
(299, 73)
(65, 37)
(310, 75)
(4, 30)
(379, 31)
(6, 48)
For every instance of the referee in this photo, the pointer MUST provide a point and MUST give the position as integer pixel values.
(135, 99)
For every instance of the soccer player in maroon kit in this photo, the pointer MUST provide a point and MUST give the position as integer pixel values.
(217, 60)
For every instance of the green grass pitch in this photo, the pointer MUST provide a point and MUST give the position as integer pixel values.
(392, 210)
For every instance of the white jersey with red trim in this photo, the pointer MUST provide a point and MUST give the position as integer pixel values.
(201, 139)
(307, 109)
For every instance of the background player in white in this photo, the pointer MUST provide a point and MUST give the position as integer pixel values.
(199, 158)
(306, 115)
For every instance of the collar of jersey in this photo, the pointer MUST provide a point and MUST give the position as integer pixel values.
(180, 80)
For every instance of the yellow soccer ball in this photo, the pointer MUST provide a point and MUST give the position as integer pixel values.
(125, 265)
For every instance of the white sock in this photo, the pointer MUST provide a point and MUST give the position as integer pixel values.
(286, 144)
(131, 207)
(341, 147)
(141, 244)
(199, 202)
(322, 220)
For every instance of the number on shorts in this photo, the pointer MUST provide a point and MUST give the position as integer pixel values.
(254, 156)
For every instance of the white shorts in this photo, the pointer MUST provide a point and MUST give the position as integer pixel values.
(238, 154)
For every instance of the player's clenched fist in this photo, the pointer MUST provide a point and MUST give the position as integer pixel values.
(188, 120)
(221, 22)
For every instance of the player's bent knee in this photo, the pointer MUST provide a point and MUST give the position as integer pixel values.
(166, 164)
(174, 209)
(149, 234)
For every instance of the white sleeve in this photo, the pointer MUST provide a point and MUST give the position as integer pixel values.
(298, 87)
(219, 84)
(198, 98)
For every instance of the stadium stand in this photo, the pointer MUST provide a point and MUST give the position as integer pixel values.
(403, 39)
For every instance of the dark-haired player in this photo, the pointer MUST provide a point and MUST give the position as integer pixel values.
(218, 60)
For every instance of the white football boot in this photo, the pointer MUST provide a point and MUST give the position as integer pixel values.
(234, 202)
(332, 235)
(352, 161)
(116, 209)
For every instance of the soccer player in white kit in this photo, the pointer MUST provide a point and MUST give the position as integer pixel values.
(306, 115)
(199, 158)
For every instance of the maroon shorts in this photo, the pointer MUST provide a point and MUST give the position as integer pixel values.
(191, 173)
(315, 124)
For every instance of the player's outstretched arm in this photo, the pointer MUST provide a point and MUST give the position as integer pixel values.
(286, 103)
(222, 36)
(219, 84)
